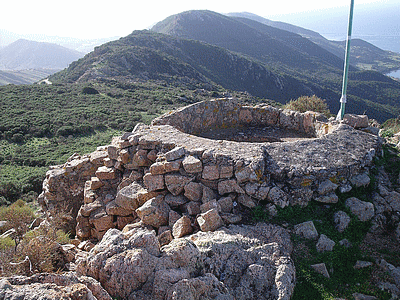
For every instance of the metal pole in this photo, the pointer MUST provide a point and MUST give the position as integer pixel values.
(340, 114)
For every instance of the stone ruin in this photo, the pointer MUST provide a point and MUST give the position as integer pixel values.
(162, 172)
(176, 189)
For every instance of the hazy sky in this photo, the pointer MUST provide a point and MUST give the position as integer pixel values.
(96, 19)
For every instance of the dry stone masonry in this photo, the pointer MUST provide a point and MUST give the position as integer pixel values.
(179, 176)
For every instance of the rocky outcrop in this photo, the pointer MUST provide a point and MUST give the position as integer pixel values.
(237, 262)
(52, 286)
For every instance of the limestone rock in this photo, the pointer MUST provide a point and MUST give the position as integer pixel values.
(210, 205)
(182, 227)
(210, 172)
(226, 204)
(210, 220)
(193, 191)
(165, 238)
(341, 220)
(363, 210)
(306, 229)
(153, 182)
(133, 196)
(356, 121)
(104, 173)
(324, 244)
(229, 186)
(192, 208)
(278, 197)
(360, 180)
(175, 183)
(246, 201)
(232, 255)
(321, 269)
(359, 296)
(192, 164)
(330, 198)
(154, 212)
(362, 264)
(175, 201)
(326, 187)
(51, 286)
(173, 216)
(175, 153)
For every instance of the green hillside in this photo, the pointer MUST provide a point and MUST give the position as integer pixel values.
(318, 69)
(363, 55)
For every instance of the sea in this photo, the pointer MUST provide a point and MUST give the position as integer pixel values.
(385, 42)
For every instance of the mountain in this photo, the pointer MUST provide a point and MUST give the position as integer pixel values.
(363, 54)
(80, 45)
(229, 33)
(24, 54)
(265, 61)
(146, 55)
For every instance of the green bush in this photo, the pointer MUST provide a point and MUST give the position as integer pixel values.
(307, 103)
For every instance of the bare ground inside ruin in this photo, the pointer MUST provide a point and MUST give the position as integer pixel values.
(267, 134)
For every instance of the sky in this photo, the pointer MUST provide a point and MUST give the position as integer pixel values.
(88, 19)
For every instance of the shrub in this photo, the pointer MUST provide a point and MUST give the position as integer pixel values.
(307, 103)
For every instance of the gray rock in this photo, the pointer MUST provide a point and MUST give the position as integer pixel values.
(278, 197)
(321, 269)
(363, 210)
(345, 243)
(356, 121)
(306, 229)
(325, 244)
(342, 220)
(175, 153)
(330, 198)
(359, 296)
(360, 264)
(360, 180)
(326, 187)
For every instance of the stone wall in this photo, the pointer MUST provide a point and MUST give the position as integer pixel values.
(178, 183)
(227, 113)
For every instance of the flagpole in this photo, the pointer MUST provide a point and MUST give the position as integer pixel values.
(343, 99)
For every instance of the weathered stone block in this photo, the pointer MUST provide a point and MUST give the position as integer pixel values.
(229, 186)
(175, 183)
(210, 220)
(278, 197)
(306, 229)
(182, 227)
(194, 191)
(210, 205)
(324, 244)
(192, 164)
(363, 210)
(210, 172)
(104, 173)
(175, 153)
(154, 212)
(246, 201)
(356, 121)
(153, 182)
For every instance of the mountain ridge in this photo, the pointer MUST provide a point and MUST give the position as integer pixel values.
(24, 54)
